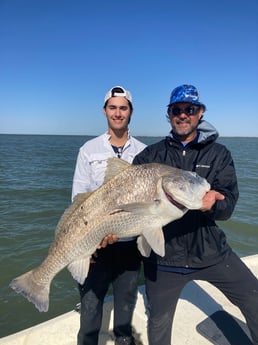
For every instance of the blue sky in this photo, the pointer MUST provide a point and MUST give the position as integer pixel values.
(59, 57)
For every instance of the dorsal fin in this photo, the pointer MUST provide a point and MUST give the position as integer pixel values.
(114, 167)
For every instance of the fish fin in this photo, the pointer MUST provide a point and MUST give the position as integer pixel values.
(140, 208)
(35, 292)
(79, 269)
(143, 246)
(114, 167)
(155, 238)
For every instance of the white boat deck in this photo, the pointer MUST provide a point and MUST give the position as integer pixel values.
(198, 301)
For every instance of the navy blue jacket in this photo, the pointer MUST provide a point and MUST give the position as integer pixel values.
(196, 240)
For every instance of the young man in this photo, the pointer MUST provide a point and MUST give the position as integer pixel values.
(119, 263)
(196, 248)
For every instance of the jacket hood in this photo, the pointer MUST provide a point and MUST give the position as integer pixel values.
(206, 132)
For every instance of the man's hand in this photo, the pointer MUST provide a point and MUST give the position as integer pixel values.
(209, 199)
(109, 239)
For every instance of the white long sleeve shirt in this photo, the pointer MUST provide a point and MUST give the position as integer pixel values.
(92, 161)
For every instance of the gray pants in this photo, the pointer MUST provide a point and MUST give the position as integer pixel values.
(231, 276)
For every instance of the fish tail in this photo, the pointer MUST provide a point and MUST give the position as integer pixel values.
(34, 291)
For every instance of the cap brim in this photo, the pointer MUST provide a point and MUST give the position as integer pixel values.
(195, 103)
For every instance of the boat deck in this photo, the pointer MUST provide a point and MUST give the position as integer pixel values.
(204, 316)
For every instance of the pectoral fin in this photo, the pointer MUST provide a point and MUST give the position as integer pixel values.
(79, 269)
(141, 208)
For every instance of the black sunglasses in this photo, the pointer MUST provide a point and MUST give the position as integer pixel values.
(190, 110)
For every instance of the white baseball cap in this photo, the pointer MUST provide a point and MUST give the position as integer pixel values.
(118, 91)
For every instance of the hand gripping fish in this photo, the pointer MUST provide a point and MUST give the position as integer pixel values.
(134, 200)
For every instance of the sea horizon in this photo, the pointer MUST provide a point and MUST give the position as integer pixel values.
(135, 135)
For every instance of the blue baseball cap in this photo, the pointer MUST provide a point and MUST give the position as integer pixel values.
(186, 93)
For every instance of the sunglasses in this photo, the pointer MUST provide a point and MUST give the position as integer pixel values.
(190, 110)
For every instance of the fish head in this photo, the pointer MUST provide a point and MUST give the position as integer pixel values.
(185, 189)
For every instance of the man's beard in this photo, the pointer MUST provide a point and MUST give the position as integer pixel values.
(183, 131)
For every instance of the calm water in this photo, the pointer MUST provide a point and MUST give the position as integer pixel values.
(35, 185)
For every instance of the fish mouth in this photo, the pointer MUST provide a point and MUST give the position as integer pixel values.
(174, 202)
